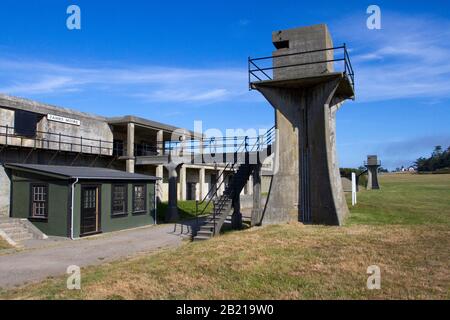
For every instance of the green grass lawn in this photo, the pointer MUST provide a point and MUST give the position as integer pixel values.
(405, 199)
(186, 209)
(403, 228)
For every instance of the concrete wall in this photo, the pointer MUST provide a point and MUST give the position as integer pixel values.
(246, 201)
(300, 40)
(5, 187)
(6, 118)
(307, 185)
(89, 128)
(192, 176)
(346, 184)
(265, 184)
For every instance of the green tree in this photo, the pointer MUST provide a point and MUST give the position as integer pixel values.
(439, 160)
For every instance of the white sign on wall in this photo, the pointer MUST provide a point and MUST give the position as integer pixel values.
(56, 118)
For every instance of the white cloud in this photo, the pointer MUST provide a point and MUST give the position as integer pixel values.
(149, 83)
(244, 22)
(186, 95)
(407, 58)
(43, 85)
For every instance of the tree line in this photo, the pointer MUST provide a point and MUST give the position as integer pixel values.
(438, 161)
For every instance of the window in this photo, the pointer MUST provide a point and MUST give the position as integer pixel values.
(25, 123)
(139, 198)
(281, 44)
(39, 201)
(118, 149)
(119, 199)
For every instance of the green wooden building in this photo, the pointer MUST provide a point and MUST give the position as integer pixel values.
(81, 201)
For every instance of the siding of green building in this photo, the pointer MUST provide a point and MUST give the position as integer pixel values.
(59, 202)
(113, 223)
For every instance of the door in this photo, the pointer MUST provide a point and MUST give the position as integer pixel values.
(191, 191)
(213, 184)
(90, 213)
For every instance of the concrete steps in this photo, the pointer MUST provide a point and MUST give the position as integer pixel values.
(15, 231)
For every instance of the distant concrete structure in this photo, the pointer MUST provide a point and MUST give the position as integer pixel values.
(372, 166)
(306, 93)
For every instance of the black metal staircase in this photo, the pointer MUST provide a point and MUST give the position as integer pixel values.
(223, 205)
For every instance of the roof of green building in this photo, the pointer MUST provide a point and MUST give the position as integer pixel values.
(71, 172)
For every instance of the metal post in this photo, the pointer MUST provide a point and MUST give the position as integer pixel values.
(214, 219)
(224, 150)
(196, 211)
(235, 156)
(6, 136)
(248, 71)
(155, 201)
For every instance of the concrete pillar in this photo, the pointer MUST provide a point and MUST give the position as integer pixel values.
(372, 177)
(256, 210)
(201, 179)
(307, 184)
(249, 186)
(159, 188)
(236, 218)
(172, 209)
(220, 185)
(372, 166)
(130, 148)
(160, 142)
(5, 191)
(182, 182)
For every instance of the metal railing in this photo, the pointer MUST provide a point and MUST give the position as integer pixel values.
(54, 141)
(212, 145)
(140, 149)
(80, 144)
(372, 163)
(266, 140)
(217, 145)
(260, 73)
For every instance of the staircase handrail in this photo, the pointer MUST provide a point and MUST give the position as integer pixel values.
(215, 188)
(269, 133)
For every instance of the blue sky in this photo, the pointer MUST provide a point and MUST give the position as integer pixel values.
(177, 62)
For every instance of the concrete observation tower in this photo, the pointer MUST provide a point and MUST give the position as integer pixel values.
(372, 164)
(300, 82)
